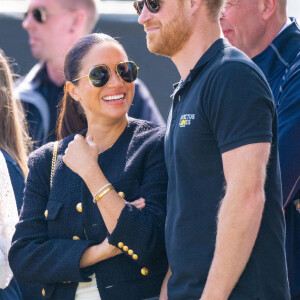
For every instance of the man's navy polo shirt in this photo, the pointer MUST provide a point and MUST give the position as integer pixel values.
(224, 103)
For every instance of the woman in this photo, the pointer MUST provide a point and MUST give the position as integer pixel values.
(14, 140)
(14, 146)
(82, 229)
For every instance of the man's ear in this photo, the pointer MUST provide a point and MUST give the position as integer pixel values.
(72, 89)
(268, 8)
(79, 20)
(195, 4)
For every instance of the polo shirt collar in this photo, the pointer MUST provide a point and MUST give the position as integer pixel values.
(217, 46)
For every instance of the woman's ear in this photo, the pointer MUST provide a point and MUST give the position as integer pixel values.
(72, 89)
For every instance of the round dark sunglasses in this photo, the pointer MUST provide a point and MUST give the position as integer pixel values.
(99, 75)
(38, 13)
(152, 5)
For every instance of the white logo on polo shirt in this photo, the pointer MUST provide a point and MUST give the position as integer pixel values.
(186, 119)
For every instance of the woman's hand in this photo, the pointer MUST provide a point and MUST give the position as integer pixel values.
(109, 250)
(139, 203)
(81, 155)
(94, 254)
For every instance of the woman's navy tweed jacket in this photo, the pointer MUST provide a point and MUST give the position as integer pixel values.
(46, 249)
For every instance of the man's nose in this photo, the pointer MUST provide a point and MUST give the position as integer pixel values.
(28, 21)
(145, 15)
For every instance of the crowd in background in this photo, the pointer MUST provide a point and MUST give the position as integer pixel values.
(104, 210)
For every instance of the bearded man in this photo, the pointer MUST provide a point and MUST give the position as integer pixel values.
(225, 226)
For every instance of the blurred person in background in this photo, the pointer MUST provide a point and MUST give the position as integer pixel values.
(79, 237)
(14, 146)
(53, 26)
(262, 30)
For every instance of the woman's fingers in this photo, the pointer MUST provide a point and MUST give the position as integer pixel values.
(139, 203)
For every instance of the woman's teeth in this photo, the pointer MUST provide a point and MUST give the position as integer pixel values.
(115, 97)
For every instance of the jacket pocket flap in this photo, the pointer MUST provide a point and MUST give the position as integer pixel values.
(129, 187)
(53, 208)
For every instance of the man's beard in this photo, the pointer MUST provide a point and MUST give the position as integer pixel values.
(171, 38)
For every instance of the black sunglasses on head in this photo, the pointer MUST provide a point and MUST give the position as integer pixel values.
(99, 75)
(152, 5)
(38, 13)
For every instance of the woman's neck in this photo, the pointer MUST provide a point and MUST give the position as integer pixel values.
(106, 134)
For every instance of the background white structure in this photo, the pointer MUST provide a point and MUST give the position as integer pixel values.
(121, 7)
(294, 8)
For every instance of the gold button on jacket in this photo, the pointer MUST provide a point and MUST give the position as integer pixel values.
(135, 257)
(120, 245)
(144, 271)
(43, 292)
(121, 194)
(46, 213)
(130, 252)
(76, 238)
(79, 207)
(125, 248)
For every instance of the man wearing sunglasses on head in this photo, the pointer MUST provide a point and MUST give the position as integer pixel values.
(53, 26)
(225, 227)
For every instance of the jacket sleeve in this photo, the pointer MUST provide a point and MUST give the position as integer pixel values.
(33, 256)
(142, 231)
(289, 132)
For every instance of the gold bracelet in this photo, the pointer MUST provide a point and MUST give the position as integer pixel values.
(101, 190)
(104, 192)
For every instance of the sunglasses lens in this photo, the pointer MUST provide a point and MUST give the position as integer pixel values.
(138, 5)
(38, 16)
(128, 71)
(99, 75)
(153, 5)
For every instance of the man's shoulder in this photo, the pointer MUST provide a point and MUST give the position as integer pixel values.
(232, 64)
(27, 90)
(232, 56)
(26, 86)
(27, 81)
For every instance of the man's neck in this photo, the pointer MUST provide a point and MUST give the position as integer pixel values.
(273, 28)
(55, 72)
(199, 42)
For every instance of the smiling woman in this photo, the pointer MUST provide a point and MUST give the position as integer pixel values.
(100, 91)
(82, 230)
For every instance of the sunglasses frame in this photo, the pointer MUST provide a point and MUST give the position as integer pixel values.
(110, 70)
(147, 2)
(42, 12)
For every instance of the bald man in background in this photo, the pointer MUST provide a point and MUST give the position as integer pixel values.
(262, 30)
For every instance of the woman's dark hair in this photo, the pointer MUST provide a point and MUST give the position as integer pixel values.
(72, 118)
